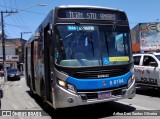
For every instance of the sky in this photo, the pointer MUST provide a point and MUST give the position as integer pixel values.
(30, 15)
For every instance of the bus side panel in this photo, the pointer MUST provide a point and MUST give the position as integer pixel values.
(38, 64)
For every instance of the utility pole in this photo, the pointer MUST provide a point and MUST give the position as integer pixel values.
(22, 50)
(24, 33)
(3, 44)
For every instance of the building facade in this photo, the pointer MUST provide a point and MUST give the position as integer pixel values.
(14, 50)
(146, 37)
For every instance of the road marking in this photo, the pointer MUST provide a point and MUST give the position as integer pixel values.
(136, 106)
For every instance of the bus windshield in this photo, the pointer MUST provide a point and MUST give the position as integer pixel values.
(92, 45)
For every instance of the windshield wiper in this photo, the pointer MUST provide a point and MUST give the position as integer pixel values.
(82, 28)
(106, 39)
(107, 36)
(90, 39)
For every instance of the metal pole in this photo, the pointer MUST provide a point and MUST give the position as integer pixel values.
(3, 49)
(21, 35)
(22, 56)
(22, 47)
(3, 44)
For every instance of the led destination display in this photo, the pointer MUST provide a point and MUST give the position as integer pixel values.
(91, 14)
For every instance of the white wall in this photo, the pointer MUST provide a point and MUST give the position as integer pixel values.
(9, 50)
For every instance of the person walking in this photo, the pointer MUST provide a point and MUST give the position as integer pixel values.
(1, 95)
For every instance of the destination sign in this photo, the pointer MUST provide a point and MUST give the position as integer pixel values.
(77, 28)
(91, 14)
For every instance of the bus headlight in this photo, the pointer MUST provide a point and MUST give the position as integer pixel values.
(130, 81)
(66, 85)
(62, 83)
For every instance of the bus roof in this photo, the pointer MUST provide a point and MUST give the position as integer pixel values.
(70, 6)
(86, 6)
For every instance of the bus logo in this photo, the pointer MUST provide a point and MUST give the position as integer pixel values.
(104, 83)
(103, 76)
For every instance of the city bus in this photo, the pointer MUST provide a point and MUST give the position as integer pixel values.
(81, 55)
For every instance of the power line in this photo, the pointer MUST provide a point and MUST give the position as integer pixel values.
(24, 11)
(8, 34)
(17, 22)
(24, 22)
(13, 19)
(18, 14)
(18, 25)
(11, 30)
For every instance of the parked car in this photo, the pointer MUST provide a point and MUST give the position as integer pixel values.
(147, 69)
(13, 74)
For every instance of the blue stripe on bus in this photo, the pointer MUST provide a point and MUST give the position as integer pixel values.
(91, 84)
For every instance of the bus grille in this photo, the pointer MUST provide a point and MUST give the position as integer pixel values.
(98, 74)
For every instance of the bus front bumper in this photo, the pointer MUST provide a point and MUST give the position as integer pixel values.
(63, 98)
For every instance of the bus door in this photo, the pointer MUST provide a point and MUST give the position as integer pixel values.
(26, 66)
(151, 71)
(47, 64)
(32, 66)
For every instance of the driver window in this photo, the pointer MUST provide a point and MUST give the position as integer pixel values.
(148, 61)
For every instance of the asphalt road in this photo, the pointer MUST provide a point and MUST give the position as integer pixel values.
(17, 97)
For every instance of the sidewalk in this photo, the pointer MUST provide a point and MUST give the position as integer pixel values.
(1, 81)
(17, 98)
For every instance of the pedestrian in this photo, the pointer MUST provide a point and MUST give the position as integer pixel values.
(1, 95)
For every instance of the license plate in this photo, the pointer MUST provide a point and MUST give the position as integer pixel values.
(104, 95)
